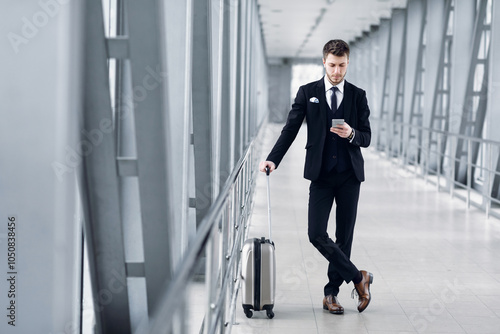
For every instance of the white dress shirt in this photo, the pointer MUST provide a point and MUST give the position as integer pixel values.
(339, 93)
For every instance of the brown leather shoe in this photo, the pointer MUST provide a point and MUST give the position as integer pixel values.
(332, 305)
(363, 290)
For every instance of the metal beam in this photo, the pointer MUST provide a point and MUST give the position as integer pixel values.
(202, 107)
(397, 57)
(440, 112)
(118, 47)
(177, 50)
(234, 40)
(385, 75)
(493, 116)
(476, 95)
(414, 89)
(400, 18)
(435, 19)
(240, 77)
(103, 223)
(373, 67)
(225, 92)
(280, 76)
(462, 35)
(147, 68)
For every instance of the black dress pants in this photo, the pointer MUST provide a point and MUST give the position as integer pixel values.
(343, 188)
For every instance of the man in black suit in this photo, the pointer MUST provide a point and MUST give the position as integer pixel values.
(334, 165)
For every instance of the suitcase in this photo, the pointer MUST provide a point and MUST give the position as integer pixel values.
(258, 271)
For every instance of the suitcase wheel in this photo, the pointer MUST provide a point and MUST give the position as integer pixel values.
(270, 314)
(248, 313)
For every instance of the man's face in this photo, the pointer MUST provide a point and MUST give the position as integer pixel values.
(336, 68)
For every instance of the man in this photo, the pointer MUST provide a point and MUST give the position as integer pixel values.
(334, 165)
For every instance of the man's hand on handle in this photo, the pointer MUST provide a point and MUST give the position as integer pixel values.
(269, 164)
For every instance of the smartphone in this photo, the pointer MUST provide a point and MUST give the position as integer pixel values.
(337, 121)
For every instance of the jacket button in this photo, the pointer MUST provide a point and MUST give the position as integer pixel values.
(335, 157)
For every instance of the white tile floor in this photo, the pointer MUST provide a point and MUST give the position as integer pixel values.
(436, 264)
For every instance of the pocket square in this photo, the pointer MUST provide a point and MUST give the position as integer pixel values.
(314, 100)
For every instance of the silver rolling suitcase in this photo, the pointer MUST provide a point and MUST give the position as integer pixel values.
(258, 271)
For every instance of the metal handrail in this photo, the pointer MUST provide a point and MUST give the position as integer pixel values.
(420, 127)
(487, 167)
(237, 190)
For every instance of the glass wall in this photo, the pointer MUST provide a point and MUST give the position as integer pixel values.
(433, 108)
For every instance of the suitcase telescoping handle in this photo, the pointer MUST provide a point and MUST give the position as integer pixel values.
(269, 203)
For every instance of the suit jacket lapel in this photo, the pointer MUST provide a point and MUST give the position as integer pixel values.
(323, 105)
(347, 100)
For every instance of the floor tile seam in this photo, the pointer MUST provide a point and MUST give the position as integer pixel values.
(406, 311)
(459, 323)
(412, 323)
(428, 307)
(402, 308)
(486, 306)
(420, 276)
(460, 250)
(467, 285)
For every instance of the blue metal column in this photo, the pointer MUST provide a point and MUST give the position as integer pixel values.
(414, 89)
(202, 83)
(145, 39)
(103, 221)
(226, 92)
(493, 115)
(374, 86)
(398, 54)
(385, 77)
(476, 94)
(177, 48)
(464, 13)
(440, 112)
(280, 76)
(434, 41)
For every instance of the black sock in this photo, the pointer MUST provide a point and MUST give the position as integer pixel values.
(357, 278)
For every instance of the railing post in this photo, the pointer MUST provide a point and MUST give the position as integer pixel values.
(453, 167)
(403, 144)
(225, 256)
(400, 144)
(428, 157)
(438, 160)
(420, 152)
(209, 307)
(469, 170)
(489, 177)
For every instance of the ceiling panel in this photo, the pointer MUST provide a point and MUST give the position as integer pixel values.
(298, 28)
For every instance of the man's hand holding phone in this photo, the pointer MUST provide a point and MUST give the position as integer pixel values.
(341, 128)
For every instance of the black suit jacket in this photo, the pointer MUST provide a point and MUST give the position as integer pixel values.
(356, 113)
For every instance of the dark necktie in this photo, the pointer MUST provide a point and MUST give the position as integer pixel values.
(330, 151)
(334, 99)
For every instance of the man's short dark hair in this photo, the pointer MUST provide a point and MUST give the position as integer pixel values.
(336, 47)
